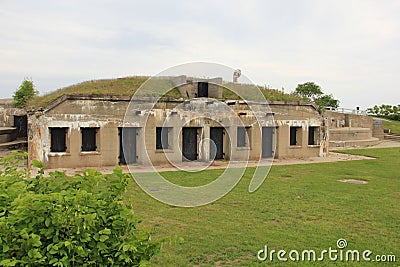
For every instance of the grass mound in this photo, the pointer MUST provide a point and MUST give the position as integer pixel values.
(127, 86)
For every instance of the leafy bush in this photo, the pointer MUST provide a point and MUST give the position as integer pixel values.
(68, 221)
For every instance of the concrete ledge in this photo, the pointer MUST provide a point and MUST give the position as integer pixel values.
(7, 134)
(4, 130)
(14, 144)
(348, 134)
(59, 154)
(354, 143)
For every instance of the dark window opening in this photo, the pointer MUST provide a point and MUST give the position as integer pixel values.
(202, 89)
(293, 136)
(312, 134)
(89, 139)
(58, 138)
(242, 136)
(161, 137)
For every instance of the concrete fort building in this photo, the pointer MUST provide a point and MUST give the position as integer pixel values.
(198, 120)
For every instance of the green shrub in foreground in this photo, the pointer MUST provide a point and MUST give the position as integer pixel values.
(68, 221)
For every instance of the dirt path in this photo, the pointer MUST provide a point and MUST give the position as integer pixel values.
(194, 166)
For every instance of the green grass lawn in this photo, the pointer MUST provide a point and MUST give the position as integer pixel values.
(394, 126)
(298, 207)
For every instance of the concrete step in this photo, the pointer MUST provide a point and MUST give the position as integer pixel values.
(7, 134)
(19, 143)
(392, 137)
(354, 143)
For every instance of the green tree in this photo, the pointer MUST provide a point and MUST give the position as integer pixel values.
(327, 101)
(25, 92)
(309, 91)
(312, 92)
(385, 111)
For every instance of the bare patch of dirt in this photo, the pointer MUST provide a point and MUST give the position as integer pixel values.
(353, 181)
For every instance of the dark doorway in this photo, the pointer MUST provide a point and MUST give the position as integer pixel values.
(217, 135)
(21, 124)
(267, 142)
(189, 143)
(127, 145)
(202, 89)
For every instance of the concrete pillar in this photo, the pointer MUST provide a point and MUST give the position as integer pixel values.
(205, 141)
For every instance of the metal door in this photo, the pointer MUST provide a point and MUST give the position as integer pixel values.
(189, 143)
(127, 141)
(267, 142)
(217, 135)
(21, 124)
(202, 89)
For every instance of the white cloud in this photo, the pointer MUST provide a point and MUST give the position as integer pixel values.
(348, 47)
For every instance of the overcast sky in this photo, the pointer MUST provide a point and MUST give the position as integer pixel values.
(350, 48)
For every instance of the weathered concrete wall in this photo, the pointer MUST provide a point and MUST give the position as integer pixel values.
(108, 114)
(377, 129)
(7, 113)
(349, 133)
(346, 130)
(188, 86)
(74, 114)
(7, 134)
(190, 89)
(39, 143)
(297, 114)
(337, 120)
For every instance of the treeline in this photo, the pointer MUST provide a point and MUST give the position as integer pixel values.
(385, 111)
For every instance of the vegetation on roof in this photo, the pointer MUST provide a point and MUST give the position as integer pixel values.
(122, 86)
(244, 89)
(127, 86)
